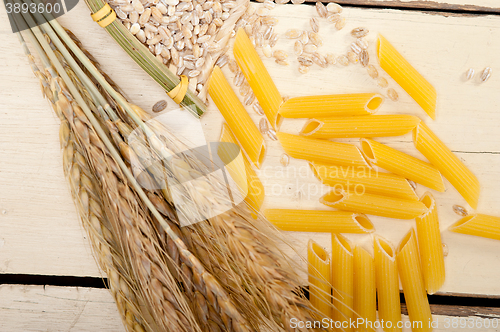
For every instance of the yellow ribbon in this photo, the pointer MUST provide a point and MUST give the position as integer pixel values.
(104, 16)
(178, 93)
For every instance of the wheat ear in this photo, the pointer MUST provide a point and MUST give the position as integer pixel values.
(210, 288)
(87, 200)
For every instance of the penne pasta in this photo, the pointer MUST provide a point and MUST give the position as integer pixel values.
(365, 295)
(478, 225)
(402, 164)
(319, 221)
(430, 246)
(410, 273)
(319, 278)
(406, 76)
(360, 126)
(331, 105)
(386, 279)
(312, 149)
(242, 173)
(351, 178)
(342, 281)
(237, 117)
(258, 78)
(376, 205)
(447, 163)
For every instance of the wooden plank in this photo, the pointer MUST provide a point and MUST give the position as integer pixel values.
(472, 6)
(49, 308)
(40, 232)
(37, 308)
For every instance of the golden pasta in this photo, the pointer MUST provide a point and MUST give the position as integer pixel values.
(313, 149)
(342, 280)
(258, 78)
(402, 164)
(376, 205)
(237, 117)
(319, 221)
(355, 179)
(452, 168)
(331, 105)
(319, 278)
(478, 225)
(360, 126)
(387, 281)
(254, 193)
(365, 295)
(406, 76)
(410, 273)
(430, 246)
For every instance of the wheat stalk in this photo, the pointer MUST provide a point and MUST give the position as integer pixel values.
(127, 209)
(88, 202)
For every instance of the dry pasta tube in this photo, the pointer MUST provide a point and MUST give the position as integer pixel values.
(430, 246)
(387, 281)
(365, 296)
(402, 164)
(258, 78)
(352, 178)
(342, 280)
(360, 126)
(237, 117)
(452, 168)
(410, 273)
(376, 205)
(319, 221)
(319, 278)
(331, 105)
(478, 225)
(406, 76)
(243, 174)
(319, 150)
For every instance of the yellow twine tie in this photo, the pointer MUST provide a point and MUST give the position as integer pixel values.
(104, 16)
(178, 93)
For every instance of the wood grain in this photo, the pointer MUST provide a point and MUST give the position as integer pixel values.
(440, 6)
(39, 231)
(37, 308)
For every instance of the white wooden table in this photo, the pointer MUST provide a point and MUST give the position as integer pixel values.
(41, 235)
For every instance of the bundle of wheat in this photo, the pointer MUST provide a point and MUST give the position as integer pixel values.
(223, 273)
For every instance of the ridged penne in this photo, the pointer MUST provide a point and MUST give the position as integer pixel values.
(402, 164)
(313, 149)
(342, 280)
(430, 246)
(452, 168)
(350, 178)
(410, 273)
(319, 221)
(258, 77)
(365, 294)
(376, 205)
(360, 126)
(237, 117)
(319, 278)
(331, 105)
(478, 225)
(386, 278)
(254, 194)
(406, 76)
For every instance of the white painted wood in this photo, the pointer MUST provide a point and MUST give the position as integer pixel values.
(39, 230)
(48, 308)
(25, 308)
(471, 5)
